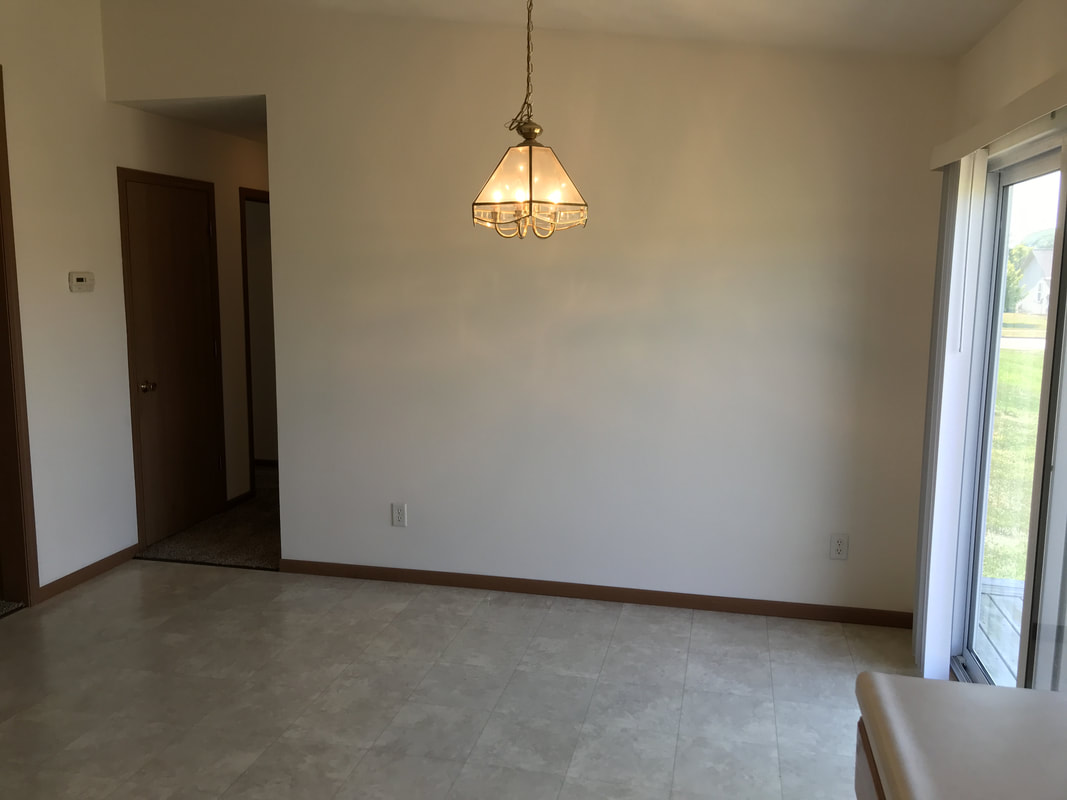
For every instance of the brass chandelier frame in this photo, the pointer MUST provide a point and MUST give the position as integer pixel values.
(542, 217)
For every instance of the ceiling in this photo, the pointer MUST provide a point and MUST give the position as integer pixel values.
(239, 116)
(931, 27)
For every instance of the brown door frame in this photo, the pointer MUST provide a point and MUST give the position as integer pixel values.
(125, 176)
(254, 196)
(19, 577)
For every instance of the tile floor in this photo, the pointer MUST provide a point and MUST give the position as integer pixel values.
(178, 682)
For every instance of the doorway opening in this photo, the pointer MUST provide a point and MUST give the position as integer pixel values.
(176, 382)
(18, 550)
(259, 342)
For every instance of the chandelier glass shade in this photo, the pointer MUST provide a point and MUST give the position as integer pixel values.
(529, 190)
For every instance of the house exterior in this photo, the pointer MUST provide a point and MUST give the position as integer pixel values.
(1035, 281)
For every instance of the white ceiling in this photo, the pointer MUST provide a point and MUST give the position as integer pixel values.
(934, 27)
(239, 116)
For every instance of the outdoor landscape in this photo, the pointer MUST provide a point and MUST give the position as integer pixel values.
(1011, 467)
(1016, 410)
(1030, 215)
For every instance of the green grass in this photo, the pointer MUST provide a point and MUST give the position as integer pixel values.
(1011, 468)
(1024, 326)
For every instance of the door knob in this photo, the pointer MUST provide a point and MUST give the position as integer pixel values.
(148, 386)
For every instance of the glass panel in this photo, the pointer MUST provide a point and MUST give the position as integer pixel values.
(1026, 273)
(510, 181)
(529, 190)
(552, 184)
(1049, 613)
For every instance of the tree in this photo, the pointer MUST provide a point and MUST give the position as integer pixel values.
(1013, 287)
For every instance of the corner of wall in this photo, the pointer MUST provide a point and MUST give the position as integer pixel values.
(1021, 52)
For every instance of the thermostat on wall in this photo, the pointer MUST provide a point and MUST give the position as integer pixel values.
(81, 281)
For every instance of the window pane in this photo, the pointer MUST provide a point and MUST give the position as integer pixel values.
(1026, 274)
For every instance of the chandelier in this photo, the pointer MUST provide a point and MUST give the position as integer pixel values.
(529, 190)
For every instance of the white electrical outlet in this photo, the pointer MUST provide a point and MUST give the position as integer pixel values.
(400, 515)
(839, 547)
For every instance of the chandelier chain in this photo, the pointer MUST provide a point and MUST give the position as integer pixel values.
(526, 111)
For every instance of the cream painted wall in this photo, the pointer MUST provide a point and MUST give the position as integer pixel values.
(692, 394)
(65, 142)
(1024, 50)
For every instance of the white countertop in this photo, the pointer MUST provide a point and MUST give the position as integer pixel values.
(941, 740)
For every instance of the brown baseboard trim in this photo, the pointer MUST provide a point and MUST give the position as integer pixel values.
(651, 597)
(236, 501)
(50, 590)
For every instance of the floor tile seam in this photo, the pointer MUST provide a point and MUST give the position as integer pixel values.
(472, 761)
(681, 709)
(514, 671)
(572, 633)
(851, 652)
(451, 639)
(331, 607)
(520, 716)
(320, 693)
(134, 718)
(559, 791)
(348, 775)
(72, 775)
(400, 707)
(43, 766)
(774, 707)
(343, 664)
(503, 665)
(815, 663)
(278, 738)
(237, 777)
(437, 662)
(585, 717)
(474, 742)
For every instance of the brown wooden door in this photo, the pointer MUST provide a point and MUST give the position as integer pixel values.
(172, 323)
(18, 544)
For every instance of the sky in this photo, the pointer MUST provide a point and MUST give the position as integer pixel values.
(1034, 207)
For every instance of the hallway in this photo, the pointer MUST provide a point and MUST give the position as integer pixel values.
(247, 535)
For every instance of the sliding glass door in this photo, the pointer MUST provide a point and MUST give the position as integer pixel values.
(1046, 615)
(1013, 466)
